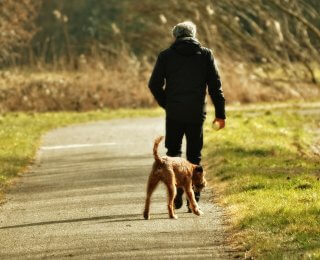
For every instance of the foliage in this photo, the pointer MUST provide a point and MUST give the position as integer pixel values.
(275, 33)
(270, 32)
(16, 28)
(75, 27)
(91, 87)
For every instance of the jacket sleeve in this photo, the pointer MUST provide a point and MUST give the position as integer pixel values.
(215, 88)
(157, 82)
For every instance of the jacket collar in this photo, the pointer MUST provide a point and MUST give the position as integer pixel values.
(187, 39)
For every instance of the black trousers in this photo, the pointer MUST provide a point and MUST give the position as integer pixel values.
(175, 131)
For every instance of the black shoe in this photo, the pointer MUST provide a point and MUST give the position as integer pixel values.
(178, 199)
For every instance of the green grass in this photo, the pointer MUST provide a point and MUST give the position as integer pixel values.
(267, 176)
(20, 134)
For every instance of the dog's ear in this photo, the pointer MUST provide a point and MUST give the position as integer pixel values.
(198, 169)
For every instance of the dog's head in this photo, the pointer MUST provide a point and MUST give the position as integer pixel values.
(198, 178)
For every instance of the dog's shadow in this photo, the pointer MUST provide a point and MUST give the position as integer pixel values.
(136, 217)
(100, 219)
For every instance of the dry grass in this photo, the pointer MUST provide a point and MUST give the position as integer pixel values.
(92, 86)
(248, 83)
(95, 85)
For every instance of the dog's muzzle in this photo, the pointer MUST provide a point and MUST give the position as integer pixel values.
(199, 187)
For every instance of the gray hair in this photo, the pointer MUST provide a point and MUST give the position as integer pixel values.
(184, 29)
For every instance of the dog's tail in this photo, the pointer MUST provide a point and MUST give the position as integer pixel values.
(155, 149)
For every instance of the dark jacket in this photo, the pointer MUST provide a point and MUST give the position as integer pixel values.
(180, 79)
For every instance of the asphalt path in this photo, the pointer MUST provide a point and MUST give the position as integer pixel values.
(84, 198)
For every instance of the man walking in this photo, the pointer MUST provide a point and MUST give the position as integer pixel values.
(179, 83)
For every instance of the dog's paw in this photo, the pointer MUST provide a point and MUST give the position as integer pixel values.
(174, 217)
(146, 216)
(198, 212)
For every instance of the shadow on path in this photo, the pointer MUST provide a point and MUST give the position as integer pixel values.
(113, 218)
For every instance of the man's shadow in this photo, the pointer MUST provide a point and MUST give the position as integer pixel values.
(109, 219)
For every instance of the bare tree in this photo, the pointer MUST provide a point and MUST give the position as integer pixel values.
(278, 34)
(16, 27)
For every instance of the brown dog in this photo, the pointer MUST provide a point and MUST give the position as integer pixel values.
(174, 172)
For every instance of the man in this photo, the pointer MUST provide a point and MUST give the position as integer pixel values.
(179, 83)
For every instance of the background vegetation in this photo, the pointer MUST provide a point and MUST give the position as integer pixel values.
(267, 50)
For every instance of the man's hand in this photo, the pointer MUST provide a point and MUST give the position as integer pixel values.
(221, 122)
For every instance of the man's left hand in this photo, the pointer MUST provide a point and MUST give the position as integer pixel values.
(221, 123)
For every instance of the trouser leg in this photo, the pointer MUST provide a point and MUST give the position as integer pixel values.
(178, 201)
(174, 135)
(173, 143)
(194, 136)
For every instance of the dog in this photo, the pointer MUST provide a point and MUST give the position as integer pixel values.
(174, 172)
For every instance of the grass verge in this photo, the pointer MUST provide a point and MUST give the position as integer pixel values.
(268, 177)
(20, 134)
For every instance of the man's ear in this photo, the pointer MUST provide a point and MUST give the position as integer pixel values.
(198, 169)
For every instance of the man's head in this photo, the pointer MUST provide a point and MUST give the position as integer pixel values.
(185, 29)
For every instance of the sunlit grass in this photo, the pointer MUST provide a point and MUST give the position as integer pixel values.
(20, 134)
(268, 179)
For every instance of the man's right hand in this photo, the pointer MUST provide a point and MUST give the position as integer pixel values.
(221, 122)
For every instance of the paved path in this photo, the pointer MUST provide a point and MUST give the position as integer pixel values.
(84, 198)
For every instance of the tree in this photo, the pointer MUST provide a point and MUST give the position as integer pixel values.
(16, 28)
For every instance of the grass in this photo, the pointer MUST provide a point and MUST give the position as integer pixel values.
(89, 88)
(20, 134)
(268, 179)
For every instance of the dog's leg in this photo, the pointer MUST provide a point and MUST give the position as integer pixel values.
(152, 184)
(172, 191)
(193, 204)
